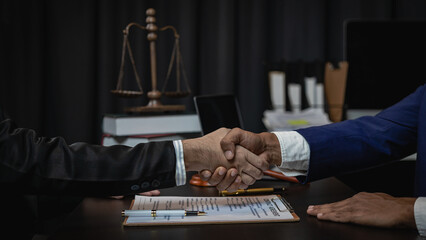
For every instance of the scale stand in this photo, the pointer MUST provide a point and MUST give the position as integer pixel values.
(154, 96)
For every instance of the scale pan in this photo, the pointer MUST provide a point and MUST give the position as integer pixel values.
(127, 93)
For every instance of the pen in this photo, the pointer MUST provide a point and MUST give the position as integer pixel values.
(160, 213)
(250, 191)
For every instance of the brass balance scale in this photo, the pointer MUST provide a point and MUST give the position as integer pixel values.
(154, 104)
(154, 96)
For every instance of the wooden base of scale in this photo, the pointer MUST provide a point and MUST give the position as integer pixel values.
(154, 105)
(160, 108)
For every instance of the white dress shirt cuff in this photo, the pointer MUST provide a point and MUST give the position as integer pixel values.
(180, 164)
(420, 215)
(295, 153)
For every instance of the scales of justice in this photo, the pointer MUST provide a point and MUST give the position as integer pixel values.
(154, 96)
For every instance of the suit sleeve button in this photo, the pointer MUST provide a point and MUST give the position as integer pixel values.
(155, 183)
(145, 185)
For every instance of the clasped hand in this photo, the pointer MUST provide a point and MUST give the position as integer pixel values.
(206, 156)
(231, 159)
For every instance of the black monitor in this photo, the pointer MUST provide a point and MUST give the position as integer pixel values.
(216, 111)
(387, 61)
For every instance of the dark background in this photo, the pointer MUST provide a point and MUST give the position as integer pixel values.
(59, 59)
(387, 61)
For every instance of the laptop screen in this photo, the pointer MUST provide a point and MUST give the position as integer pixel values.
(216, 111)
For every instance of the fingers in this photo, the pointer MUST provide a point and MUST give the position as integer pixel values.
(335, 216)
(229, 141)
(336, 212)
(229, 181)
(249, 172)
(372, 209)
(314, 210)
(258, 161)
(151, 193)
(251, 141)
(249, 163)
(237, 184)
(230, 177)
(117, 197)
(216, 177)
(205, 175)
(247, 179)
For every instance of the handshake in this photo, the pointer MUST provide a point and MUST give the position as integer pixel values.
(231, 159)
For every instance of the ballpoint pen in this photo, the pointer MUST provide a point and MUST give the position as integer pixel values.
(160, 213)
(250, 191)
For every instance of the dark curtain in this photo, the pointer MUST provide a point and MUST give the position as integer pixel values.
(59, 59)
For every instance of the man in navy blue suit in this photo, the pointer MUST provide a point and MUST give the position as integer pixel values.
(318, 152)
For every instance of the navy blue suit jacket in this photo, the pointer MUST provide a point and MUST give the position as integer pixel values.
(351, 145)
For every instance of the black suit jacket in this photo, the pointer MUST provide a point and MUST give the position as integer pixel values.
(32, 167)
(33, 164)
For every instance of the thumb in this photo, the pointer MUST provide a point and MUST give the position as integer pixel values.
(229, 141)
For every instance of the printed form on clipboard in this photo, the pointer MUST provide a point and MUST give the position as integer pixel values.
(220, 210)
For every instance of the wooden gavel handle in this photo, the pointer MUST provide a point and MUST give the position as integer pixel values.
(280, 176)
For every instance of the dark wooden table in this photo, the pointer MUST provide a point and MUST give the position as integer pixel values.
(100, 218)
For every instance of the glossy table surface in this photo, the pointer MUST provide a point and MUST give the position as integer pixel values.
(100, 218)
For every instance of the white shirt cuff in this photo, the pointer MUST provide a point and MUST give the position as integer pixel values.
(420, 215)
(180, 164)
(295, 153)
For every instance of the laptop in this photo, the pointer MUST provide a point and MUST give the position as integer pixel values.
(216, 111)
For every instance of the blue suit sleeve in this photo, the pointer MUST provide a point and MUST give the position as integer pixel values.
(366, 142)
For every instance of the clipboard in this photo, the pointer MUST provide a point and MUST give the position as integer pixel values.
(220, 210)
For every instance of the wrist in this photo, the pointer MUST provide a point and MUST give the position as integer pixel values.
(407, 213)
(272, 147)
(191, 152)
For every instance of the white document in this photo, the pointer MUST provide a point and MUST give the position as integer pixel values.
(241, 209)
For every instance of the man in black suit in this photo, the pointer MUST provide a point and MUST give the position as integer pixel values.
(31, 164)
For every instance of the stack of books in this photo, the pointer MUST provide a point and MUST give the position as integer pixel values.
(132, 130)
